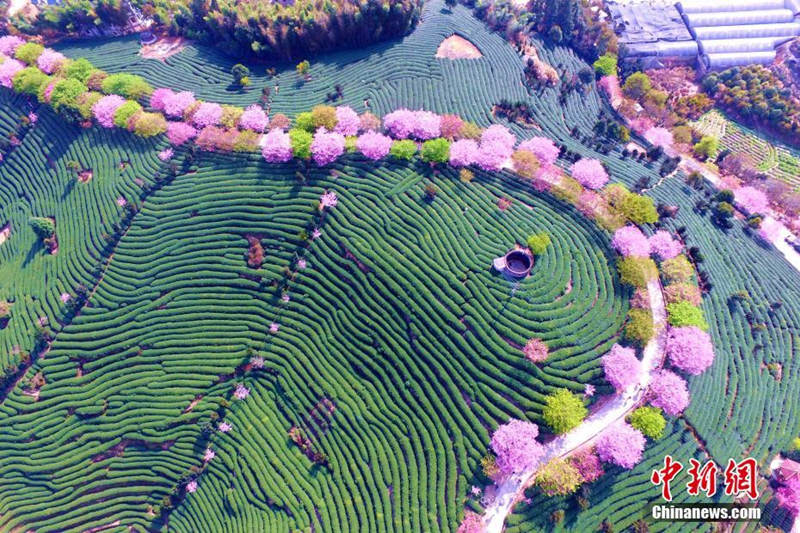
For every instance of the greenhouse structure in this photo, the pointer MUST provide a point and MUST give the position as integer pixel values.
(716, 34)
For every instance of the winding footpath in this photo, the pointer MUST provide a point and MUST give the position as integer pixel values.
(512, 489)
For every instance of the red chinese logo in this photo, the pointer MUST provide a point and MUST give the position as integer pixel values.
(665, 475)
(740, 478)
(703, 479)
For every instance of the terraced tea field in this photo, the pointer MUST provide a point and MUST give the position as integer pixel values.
(396, 320)
(776, 160)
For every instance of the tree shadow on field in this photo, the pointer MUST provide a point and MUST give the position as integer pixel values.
(37, 247)
(68, 188)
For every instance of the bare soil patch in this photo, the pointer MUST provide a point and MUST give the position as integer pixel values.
(163, 48)
(457, 47)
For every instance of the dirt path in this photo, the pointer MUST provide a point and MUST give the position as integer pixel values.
(512, 489)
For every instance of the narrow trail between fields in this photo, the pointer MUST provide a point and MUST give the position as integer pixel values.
(512, 489)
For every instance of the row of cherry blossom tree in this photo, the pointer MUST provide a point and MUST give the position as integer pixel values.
(324, 134)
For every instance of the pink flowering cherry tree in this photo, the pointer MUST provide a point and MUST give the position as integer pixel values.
(622, 368)
(8, 69)
(241, 392)
(104, 109)
(254, 118)
(49, 60)
(622, 445)
(664, 246)
(516, 446)
(374, 145)
(9, 44)
(496, 148)
(277, 146)
(659, 136)
(347, 121)
(629, 241)
(207, 114)
(690, 349)
(590, 173)
(463, 153)
(159, 96)
(535, 351)
(770, 230)
(750, 200)
(400, 123)
(669, 392)
(328, 199)
(451, 126)
(471, 523)
(427, 125)
(326, 147)
(543, 148)
(180, 132)
(175, 104)
(789, 496)
(588, 464)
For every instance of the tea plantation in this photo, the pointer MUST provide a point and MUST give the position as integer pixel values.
(361, 365)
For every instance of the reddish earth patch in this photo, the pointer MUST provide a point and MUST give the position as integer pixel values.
(193, 404)
(163, 48)
(5, 232)
(84, 176)
(457, 47)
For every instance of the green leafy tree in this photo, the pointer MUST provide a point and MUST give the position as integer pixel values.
(66, 93)
(650, 421)
(558, 477)
(636, 271)
(404, 149)
(125, 112)
(240, 72)
(563, 411)
(707, 147)
(606, 65)
(303, 68)
(29, 80)
(149, 124)
(639, 209)
(43, 227)
(305, 121)
(555, 34)
(677, 269)
(85, 103)
(324, 116)
(127, 85)
(538, 243)
(683, 313)
(301, 143)
(436, 151)
(637, 85)
(29, 53)
(78, 69)
(639, 328)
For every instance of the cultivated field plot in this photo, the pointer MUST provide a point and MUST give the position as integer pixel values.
(39, 179)
(396, 320)
(776, 160)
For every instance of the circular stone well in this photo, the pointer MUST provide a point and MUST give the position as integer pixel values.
(518, 263)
